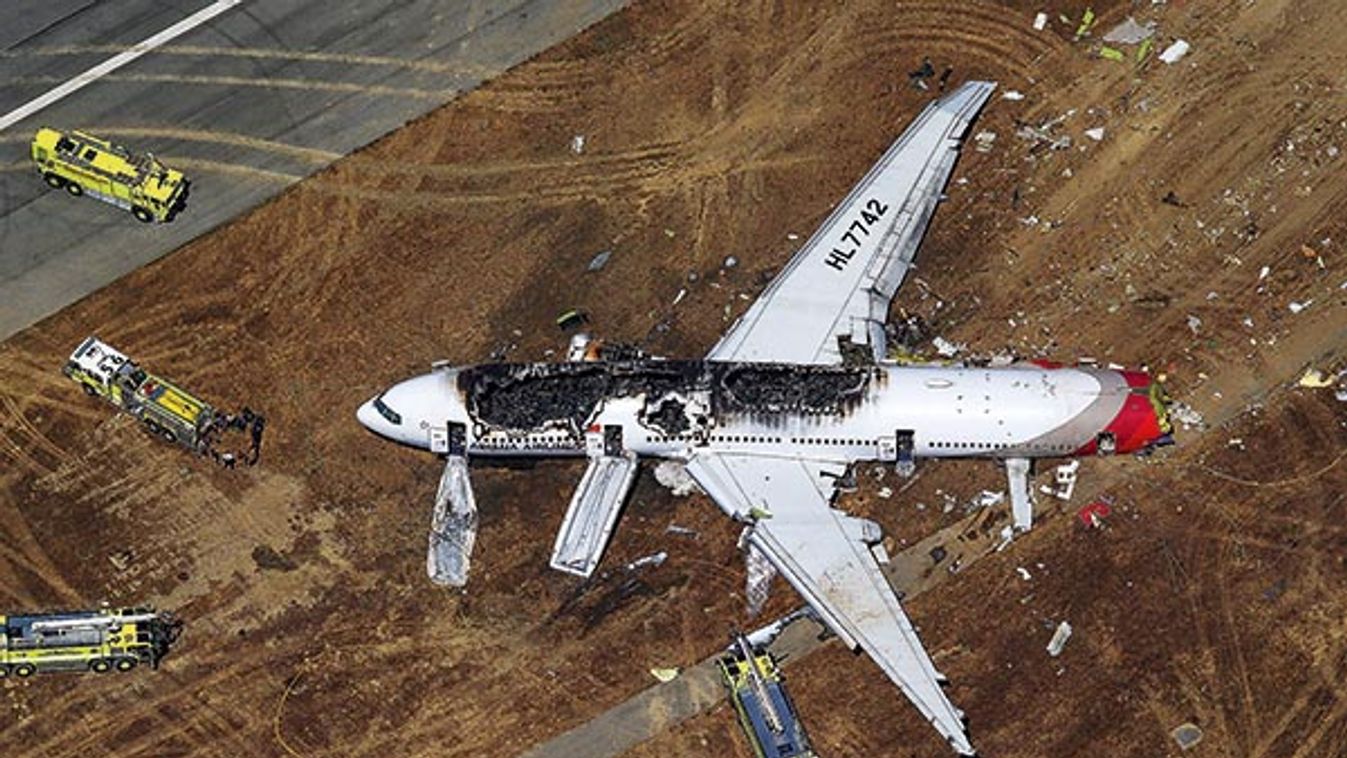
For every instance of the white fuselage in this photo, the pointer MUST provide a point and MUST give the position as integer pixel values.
(931, 411)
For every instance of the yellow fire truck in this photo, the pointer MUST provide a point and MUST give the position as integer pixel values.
(765, 710)
(164, 409)
(96, 641)
(81, 163)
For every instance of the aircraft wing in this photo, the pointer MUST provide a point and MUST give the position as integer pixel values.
(826, 556)
(837, 288)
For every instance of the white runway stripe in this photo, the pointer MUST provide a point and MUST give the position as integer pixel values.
(116, 62)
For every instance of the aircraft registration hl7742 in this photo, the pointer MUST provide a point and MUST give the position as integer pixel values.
(794, 394)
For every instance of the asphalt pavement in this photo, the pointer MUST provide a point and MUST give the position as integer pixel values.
(248, 102)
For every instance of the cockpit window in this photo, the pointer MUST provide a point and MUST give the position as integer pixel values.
(388, 413)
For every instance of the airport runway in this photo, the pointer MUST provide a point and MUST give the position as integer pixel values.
(247, 102)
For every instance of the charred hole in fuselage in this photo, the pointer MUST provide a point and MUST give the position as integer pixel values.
(535, 396)
(776, 388)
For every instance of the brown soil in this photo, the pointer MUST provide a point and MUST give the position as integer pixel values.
(1211, 597)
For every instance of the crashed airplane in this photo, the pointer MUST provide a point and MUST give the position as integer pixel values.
(771, 420)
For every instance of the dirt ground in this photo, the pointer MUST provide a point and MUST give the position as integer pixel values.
(1212, 595)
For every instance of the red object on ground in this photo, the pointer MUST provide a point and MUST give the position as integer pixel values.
(1093, 514)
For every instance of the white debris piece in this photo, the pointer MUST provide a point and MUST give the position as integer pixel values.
(764, 636)
(946, 349)
(1065, 478)
(1024, 573)
(1263, 272)
(1194, 324)
(1012, 94)
(1007, 536)
(674, 475)
(1130, 32)
(682, 293)
(730, 262)
(1040, 22)
(654, 559)
(578, 144)
(1185, 414)
(664, 675)
(1096, 134)
(1298, 307)
(984, 140)
(1175, 52)
(988, 499)
(886, 492)
(1059, 639)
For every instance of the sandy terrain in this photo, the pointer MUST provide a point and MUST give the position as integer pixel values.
(1212, 595)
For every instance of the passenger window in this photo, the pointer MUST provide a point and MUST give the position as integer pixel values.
(90, 154)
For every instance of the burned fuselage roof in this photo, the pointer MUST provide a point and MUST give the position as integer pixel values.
(529, 396)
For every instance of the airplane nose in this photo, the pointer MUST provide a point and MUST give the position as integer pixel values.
(367, 416)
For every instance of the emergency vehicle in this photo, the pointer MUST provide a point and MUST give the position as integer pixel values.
(766, 712)
(165, 409)
(97, 641)
(81, 163)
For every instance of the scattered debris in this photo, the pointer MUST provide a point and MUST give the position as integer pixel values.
(1024, 573)
(984, 140)
(674, 475)
(1006, 536)
(1111, 54)
(1187, 416)
(572, 319)
(730, 262)
(1093, 515)
(1187, 735)
(1194, 324)
(1263, 272)
(683, 530)
(654, 559)
(665, 675)
(1172, 199)
(1298, 307)
(1315, 379)
(885, 492)
(599, 261)
(1096, 134)
(1130, 32)
(1175, 52)
(986, 499)
(1042, 133)
(946, 349)
(1012, 94)
(918, 78)
(578, 144)
(121, 559)
(1040, 22)
(1059, 639)
(682, 293)
(1065, 481)
(1086, 23)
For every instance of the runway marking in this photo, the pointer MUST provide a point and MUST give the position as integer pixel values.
(116, 62)
(243, 81)
(312, 56)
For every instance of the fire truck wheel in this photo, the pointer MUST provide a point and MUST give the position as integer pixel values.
(126, 664)
(4, 671)
(151, 427)
(142, 215)
(100, 666)
(74, 189)
(24, 670)
(169, 435)
(53, 180)
(90, 391)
